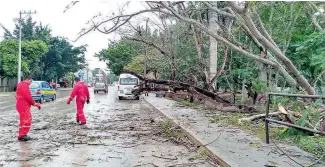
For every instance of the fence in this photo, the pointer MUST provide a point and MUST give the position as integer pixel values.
(268, 120)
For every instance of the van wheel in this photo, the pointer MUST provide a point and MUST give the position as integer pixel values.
(120, 98)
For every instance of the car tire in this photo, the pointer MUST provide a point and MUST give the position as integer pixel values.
(105, 91)
(120, 98)
(42, 100)
(137, 98)
(94, 92)
(54, 98)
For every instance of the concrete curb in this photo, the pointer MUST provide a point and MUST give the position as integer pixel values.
(190, 135)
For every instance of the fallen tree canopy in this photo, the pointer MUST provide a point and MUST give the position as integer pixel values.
(199, 94)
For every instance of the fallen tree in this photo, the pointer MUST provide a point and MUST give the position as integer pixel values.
(200, 95)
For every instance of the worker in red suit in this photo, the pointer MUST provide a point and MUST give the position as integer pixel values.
(24, 101)
(81, 91)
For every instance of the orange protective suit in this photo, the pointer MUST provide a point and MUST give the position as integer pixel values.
(81, 91)
(24, 101)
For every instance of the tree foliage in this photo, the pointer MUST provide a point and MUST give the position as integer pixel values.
(118, 54)
(247, 28)
(44, 56)
(31, 53)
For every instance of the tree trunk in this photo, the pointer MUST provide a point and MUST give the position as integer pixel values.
(213, 26)
(243, 92)
(263, 67)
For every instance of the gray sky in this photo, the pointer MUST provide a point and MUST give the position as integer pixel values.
(66, 24)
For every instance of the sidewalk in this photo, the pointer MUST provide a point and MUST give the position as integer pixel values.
(230, 145)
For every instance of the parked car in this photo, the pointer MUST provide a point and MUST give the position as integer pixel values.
(53, 85)
(126, 85)
(100, 87)
(42, 91)
(63, 84)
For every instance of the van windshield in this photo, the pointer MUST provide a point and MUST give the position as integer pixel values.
(128, 81)
(34, 85)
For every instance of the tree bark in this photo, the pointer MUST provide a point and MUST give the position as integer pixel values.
(199, 43)
(213, 49)
(263, 69)
(254, 117)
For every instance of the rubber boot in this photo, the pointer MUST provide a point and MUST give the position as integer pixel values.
(25, 138)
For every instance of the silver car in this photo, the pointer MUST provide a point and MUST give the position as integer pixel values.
(100, 87)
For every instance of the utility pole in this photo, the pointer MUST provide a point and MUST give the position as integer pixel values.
(146, 50)
(19, 59)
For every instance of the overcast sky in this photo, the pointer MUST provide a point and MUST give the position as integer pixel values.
(66, 24)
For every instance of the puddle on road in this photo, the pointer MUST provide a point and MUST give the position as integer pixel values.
(120, 134)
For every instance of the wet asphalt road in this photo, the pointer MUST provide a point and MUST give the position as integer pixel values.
(8, 103)
(117, 133)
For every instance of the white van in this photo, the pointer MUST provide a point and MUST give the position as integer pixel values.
(126, 83)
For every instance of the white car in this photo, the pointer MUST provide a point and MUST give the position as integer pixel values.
(126, 84)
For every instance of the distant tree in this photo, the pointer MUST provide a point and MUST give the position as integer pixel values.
(118, 54)
(31, 53)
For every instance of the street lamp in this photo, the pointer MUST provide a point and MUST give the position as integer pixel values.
(19, 59)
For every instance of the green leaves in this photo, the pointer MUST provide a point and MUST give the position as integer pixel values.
(10, 65)
(136, 65)
(31, 53)
(118, 55)
(43, 56)
(309, 54)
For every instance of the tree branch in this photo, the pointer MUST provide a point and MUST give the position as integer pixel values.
(198, 44)
(219, 11)
(126, 18)
(264, 29)
(219, 38)
(292, 68)
(237, 9)
(159, 49)
(70, 6)
(222, 66)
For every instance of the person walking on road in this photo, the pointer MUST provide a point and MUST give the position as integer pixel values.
(81, 91)
(24, 101)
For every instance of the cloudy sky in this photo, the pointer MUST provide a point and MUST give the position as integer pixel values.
(66, 24)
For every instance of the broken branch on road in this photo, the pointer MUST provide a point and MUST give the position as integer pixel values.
(200, 95)
(174, 158)
(213, 140)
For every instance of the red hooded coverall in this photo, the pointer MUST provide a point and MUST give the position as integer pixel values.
(81, 91)
(24, 101)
